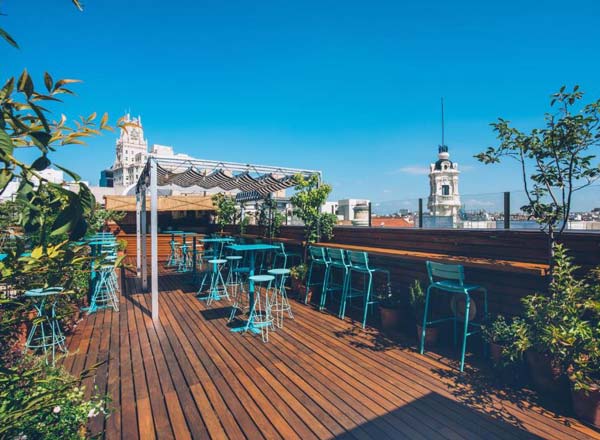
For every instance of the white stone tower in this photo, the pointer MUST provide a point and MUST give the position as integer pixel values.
(444, 199)
(131, 152)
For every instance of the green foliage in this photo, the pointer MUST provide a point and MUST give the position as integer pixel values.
(269, 219)
(244, 222)
(498, 332)
(387, 297)
(99, 217)
(555, 161)
(299, 272)
(227, 211)
(307, 202)
(122, 245)
(416, 298)
(40, 401)
(565, 324)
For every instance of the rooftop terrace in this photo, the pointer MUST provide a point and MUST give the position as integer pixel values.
(188, 376)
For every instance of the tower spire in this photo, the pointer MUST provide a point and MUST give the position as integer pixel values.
(442, 99)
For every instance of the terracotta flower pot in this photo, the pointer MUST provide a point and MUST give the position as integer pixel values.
(390, 318)
(547, 379)
(431, 335)
(587, 405)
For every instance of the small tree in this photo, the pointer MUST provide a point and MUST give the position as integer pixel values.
(227, 212)
(555, 161)
(269, 219)
(307, 202)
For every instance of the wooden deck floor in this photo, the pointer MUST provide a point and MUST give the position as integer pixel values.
(188, 376)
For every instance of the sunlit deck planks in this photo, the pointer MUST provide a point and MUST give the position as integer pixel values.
(188, 376)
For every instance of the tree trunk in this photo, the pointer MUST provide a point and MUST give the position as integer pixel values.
(551, 241)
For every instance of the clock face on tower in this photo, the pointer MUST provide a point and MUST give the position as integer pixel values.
(135, 134)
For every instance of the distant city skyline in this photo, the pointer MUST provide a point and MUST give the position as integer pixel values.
(352, 89)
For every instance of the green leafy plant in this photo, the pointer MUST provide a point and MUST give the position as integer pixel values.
(416, 299)
(122, 245)
(99, 217)
(307, 201)
(565, 324)
(386, 297)
(499, 331)
(299, 272)
(555, 161)
(226, 210)
(269, 219)
(40, 401)
(244, 222)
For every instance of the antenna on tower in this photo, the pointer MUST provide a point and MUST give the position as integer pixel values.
(443, 144)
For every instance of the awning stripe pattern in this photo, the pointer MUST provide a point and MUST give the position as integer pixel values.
(252, 187)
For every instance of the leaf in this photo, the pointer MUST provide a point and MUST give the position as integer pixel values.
(41, 163)
(72, 174)
(6, 144)
(48, 82)
(25, 84)
(8, 38)
(5, 177)
(62, 82)
(41, 138)
(104, 120)
(66, 220)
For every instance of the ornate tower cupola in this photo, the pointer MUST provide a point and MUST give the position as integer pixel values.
(444, 199)
(131, 152)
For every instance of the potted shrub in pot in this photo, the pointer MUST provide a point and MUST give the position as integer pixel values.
(122, 247)
(416, 299)
(498, 335)
(389, 307)
(298, 280)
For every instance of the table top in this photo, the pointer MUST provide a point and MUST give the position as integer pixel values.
(44, 292)
(103, 243)
(252, 247)
(216, 240)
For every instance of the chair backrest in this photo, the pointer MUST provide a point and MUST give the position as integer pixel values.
(358, 259)
(317, 254)
(337, 256)
(441, 271)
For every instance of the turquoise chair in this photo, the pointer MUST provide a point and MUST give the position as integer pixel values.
(450, 278)
(359, 263)
(282, 254)
(319, 258)
(338, 262)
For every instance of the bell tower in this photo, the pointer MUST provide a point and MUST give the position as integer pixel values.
(444, 198)
(131, 152)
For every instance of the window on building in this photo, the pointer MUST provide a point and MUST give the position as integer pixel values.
(445, 190)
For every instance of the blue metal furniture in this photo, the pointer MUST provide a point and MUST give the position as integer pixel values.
(217, 282)
(279, 299)
(450, 278)
(251, 249)
(318, 257)
(260, 313)
(105, 290)
(359, 264)
(338, 261)
(282, 254)
(45, 332)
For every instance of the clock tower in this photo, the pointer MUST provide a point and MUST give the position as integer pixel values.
(444, 199)
(131, 152)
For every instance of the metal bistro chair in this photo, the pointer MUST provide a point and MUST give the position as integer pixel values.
(359, 263)
(318, 257)
(281, 253)
(450, 278)
(279, 299)
(337, 260)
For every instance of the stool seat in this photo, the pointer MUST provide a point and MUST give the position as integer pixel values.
(218, 261)
(43, 291)
(261, 278)
(278, 271)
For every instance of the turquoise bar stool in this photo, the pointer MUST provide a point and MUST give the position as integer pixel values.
(338, 261)
(172, 261)
(218, 287)
(359, 263)
(260, 315)
(45, 332)
(319, 258)
(279, 299)
(450, 278)
(106, 287)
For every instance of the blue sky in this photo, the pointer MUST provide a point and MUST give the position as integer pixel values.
(348, 87)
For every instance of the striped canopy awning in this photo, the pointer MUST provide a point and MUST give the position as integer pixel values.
(253, 182)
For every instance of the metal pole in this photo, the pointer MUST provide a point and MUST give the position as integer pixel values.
(138, 236)
(144, 239)
(420, 213)
(507, 210)
(154, 237)
(370, 214)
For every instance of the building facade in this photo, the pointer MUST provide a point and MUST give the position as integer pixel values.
(131, 153)
(444, 198)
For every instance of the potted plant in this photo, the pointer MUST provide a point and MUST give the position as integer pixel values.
(498, 335)
(121, 247)
(298, 280)
(389, 307)
(416, 299)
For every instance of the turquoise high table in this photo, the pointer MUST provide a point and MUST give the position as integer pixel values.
(251, 249)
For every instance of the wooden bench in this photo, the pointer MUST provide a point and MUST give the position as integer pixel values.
(480, 263)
